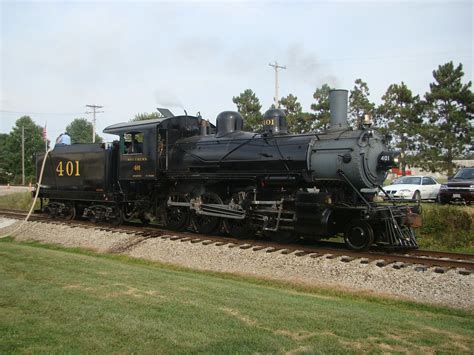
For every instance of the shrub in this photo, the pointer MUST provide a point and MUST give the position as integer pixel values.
(447, 227)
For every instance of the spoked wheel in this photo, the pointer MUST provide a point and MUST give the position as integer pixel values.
(359, 235)
(48, 212)
(238, 228)
(207, 224)
(128, 211)
(177, 217)
(117, 220)
(70, 211)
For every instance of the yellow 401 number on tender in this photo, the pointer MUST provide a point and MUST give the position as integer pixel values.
(70, 168)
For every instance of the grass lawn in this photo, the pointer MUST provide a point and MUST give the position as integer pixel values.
(65, 300)
(18, 200)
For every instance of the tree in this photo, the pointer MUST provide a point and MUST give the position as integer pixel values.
(33, 143)
(298, 121)
(4, 158)
(80, 131)
(146, 116)
(321, 107)
(249, 107)
(400, 117)
(449, 108)
(359, 104)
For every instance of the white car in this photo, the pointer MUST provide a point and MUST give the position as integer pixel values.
(413, 187)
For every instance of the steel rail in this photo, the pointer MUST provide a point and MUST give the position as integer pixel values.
(440, 261)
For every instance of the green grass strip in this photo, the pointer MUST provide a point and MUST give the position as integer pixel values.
(56, 300)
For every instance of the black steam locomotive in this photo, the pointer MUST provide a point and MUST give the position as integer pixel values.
(185, 173)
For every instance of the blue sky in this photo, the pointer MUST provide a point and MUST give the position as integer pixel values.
(130, 57)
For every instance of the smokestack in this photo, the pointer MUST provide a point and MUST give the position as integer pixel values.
(338, 109)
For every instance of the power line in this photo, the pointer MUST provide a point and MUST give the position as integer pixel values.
(94, 111)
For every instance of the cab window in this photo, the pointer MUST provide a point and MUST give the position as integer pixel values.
(132, 143)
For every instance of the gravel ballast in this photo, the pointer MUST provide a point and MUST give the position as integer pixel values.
(448, 289)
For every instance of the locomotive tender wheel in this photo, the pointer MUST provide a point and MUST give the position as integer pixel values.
(177, 217)
(118, 220)
(70, 211)
(128, 211)
(47, 210)
(359, 236)
(207, 224)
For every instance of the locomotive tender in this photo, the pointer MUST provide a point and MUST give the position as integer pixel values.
(183, 172)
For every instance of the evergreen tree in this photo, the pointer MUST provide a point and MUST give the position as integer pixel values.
(80, 131)
(249, 107)
(449, 108)
(322, 115)
(33, 143)
(400, 117)
(359, 104)
(298, 121)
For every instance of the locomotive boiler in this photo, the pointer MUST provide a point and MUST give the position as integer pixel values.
(183, 172)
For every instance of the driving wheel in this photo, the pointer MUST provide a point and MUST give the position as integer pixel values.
(238, 228)
(203, 223)
(359, 235)
(177, 217)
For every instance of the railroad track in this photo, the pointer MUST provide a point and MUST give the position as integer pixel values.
(422, 260)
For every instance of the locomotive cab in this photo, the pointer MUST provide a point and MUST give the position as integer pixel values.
(144, 145)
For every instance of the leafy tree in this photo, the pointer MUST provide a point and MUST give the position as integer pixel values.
(145, 116)
(359, 104)
(33, 143)
(4, 157)
(400, 117)
(321, 107)
(298, 121)
(449, 108)
(80, 131)
(249, 107)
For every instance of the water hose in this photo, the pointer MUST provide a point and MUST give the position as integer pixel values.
(34, 200)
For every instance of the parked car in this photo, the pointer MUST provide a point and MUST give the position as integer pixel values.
(412, 187)
(459, 188)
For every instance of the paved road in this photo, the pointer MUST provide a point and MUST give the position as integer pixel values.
(5, 190)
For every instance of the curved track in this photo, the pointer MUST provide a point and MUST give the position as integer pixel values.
(423, 259)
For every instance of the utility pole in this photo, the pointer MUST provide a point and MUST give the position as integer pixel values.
(45, 137)
(23, 155)
(276, 66)
(94, 111)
